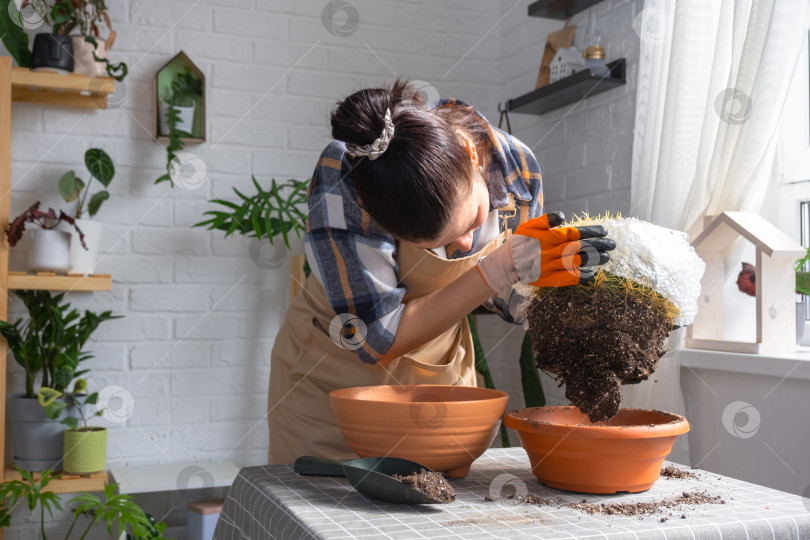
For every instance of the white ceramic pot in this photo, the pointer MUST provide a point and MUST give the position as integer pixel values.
(49, 250)
(85, 64)
(296, 243)
(83, 261)
(185, 122)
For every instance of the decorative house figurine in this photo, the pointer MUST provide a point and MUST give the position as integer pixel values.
(776, 254)
(566, 62)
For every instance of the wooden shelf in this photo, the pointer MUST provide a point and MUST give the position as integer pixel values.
(64, 482)
(559, 9)
(187, 140)
(70, 90)
(49, 281)
(569, 90)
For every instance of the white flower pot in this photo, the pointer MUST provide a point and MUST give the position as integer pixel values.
(49, 250)
(296, 243)
(83, 261)
(85, 64)
(185, 122)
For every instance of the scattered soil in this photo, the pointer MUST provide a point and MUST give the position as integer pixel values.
(646, 508)
(595, 337)
(628, 509)
(675, 472)
(430, 483)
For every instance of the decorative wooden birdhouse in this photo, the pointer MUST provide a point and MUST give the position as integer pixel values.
(776, 254)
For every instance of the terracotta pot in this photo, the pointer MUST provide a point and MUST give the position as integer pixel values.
(569, 452)
(445, 428)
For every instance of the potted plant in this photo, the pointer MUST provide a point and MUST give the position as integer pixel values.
(119, 513)
(182, 95)
(49, 346)
(177, 115)
(90, 50)
(85, 449)
(50, 248)
(73, 188)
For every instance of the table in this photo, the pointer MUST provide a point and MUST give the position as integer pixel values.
(271, 501)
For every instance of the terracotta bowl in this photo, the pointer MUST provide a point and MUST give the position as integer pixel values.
(569, 452)
(445, 428)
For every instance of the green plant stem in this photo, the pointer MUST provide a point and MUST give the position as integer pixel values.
(42, 521)
(87, 530)
(83, 199)
(72, 524)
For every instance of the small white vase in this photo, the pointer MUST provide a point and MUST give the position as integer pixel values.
(85, 64)
(185, 119)
(83, 261)
(49, 250)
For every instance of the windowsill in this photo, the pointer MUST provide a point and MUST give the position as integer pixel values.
(795, 365)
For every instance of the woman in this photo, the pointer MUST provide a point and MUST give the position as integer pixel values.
(411, 215)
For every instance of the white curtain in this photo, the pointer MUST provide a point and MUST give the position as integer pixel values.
(712, 81)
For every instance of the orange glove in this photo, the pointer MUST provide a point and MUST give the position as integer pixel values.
(544, 256)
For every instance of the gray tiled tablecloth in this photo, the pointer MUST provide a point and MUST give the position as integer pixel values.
(273, 502)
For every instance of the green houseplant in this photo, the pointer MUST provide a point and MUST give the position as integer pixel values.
(90, 49)
(85, 448)
(177, 115)
(72, 188)
(118, 513)
(269, 214)
(50, 346)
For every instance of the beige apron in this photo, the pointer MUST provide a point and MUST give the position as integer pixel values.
(306, 364)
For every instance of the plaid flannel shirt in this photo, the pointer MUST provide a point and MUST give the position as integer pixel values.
(355, 258)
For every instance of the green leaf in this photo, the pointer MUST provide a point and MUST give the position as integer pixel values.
(96, 200)
(529, 375)
(70, 187)
(80, 386)
(100, 165)
(92, 399)
(12, 33)
(803, 283)
(71, 422)
(53, 410)
(46, 396)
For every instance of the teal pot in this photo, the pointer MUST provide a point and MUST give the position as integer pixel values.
(37, 440)
(85, 450)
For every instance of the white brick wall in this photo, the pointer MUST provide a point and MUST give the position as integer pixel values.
(200, 317)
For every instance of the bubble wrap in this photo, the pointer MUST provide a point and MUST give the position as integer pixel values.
(657, 257)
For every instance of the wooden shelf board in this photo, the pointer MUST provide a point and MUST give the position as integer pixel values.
(559, 9)
(64, 482)
(70, 90)
(569, 90)
(187, 140)
(59, 282)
